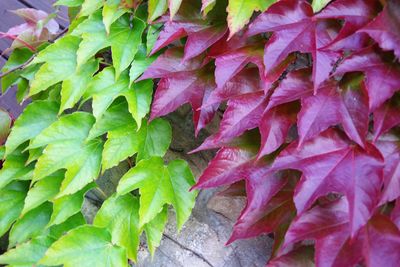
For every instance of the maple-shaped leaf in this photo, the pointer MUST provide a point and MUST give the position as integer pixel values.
(384, 28)
(346, 103)
(227, 167)
(382, 78)
(389, 146)
(294, 29)
(386, 116)
(355, 14)
(66, 149)
(243, 113)
(159, 185)
(275, 125)
(57, 66)
(295, 86)
(266, 207)
(120, 216)
(170, 62)
(38, 28)
(245, 82)
(232, 62)
(85, 246)
(327, 225)
(201, 33)
(330, 164)
(192, 87)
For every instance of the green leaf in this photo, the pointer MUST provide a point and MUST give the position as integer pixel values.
(115, 117)
(111, 12)
(155, 190)
(82, 162)
(317, 5)
(66, 206)
(120, 144)
(12, 201)
(156, 8)
(154, 230)
(154, 139)
(120, 216)
(59, 63)
(104, 89)
(240, 12)
(94, 38)
(85, 246)
(125, 42)
(30, 225)
(43, 191)
(159, 185)
(36, 117)
(72, 127)
(140, 64)
(17, 57)
(74, 87)
(89, 7)
(139, 100)
(14, 168)
(183, 199)
(29, 253)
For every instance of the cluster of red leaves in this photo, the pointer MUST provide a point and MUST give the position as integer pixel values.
(322, 91)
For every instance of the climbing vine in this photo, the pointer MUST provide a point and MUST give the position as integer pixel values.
(309, 132)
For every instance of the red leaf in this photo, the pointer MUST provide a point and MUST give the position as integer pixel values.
(185, 87)
(295, 86)
(243, 113)
(389, 145)
(275, 125)
(295, 30)
(382, 79)
(247, 81)
(232, 62)
(356, 13)
(384, 29)
(347, 104)
(329, 164)
(327, 225)
(227, 167)
(264, 211)
(382, 242)
(170, 62)
(386, 117)
(201, 34)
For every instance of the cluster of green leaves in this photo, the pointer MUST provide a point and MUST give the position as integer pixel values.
(87, 114)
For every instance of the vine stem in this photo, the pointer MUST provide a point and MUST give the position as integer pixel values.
(23, 65)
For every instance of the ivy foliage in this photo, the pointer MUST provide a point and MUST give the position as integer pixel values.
(87, 114)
